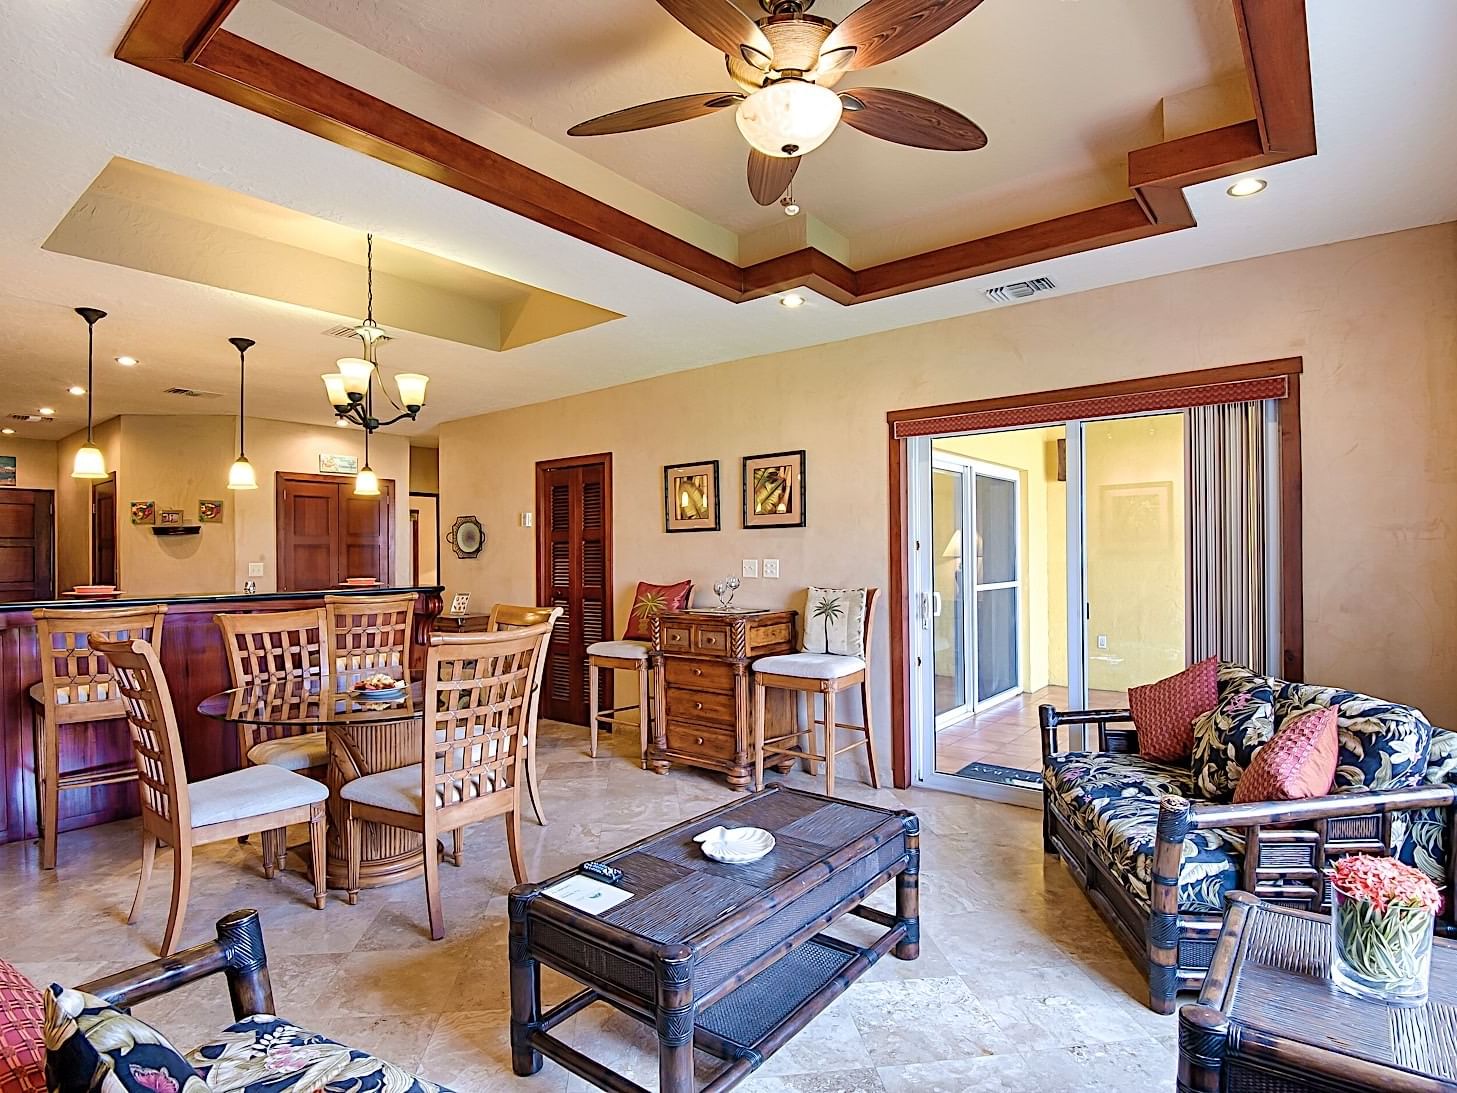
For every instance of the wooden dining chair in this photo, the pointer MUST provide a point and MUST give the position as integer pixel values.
(182, 814)
(370, 633)
(479, 705)
(76, 687)
(277, 647)
(507, 616)
(826, 675)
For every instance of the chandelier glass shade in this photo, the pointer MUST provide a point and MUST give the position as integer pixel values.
(789, 117)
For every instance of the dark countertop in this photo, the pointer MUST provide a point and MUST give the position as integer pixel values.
(78, 603)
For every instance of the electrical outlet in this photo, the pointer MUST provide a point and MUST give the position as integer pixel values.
(1102, 641)
(255, 569)
(751, 567)
(771, 567)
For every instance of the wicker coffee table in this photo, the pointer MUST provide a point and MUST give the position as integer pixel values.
(729, 959)
(1269, 1020)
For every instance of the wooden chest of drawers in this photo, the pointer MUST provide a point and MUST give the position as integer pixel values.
(701, 664)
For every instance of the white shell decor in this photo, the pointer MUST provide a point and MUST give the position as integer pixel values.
(735, 845)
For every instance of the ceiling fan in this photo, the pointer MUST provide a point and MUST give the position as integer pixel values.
(785, 66)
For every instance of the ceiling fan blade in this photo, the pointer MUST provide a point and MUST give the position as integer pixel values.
(904, 118)
(770, 176)
(720, 24)
(650, 114)
(884, 29)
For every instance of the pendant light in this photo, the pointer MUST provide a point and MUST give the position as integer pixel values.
(240, 474)
(366, 482)
(90, 463)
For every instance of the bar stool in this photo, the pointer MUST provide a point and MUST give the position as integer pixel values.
(507, 616)
(826, 675)
(77, 687)
(620, 656)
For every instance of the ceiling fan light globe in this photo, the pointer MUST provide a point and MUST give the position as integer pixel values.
(789, 118)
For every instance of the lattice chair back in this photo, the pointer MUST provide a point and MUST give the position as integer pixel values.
(510, 616)
(370, 633)
(156, 745)
(274, 648)
(479, 709)
(78, 682)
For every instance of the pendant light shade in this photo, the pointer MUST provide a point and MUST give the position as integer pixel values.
(241, 475)
(89, 463)
(412, 389)
(366, 482)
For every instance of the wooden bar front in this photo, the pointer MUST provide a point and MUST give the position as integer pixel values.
(196, 666)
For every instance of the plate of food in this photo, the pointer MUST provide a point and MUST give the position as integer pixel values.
(735, 845)
(379, 687)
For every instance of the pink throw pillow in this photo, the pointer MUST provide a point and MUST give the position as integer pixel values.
(22, 1040)
(1298, 762)
(1164, 712)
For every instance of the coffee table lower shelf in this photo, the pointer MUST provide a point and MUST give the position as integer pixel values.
(749, 1023)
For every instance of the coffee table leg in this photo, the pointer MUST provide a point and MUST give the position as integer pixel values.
(908, 896)
(525, 993)
(675, 1019)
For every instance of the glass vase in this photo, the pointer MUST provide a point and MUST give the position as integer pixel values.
(1382, 955)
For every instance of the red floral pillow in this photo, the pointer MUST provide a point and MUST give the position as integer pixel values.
(1164, 712)
(654, 599)
(1298, 762)
(22, 1034)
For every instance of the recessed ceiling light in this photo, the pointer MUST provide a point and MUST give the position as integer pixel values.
(126, 362)
(791, 300)
(8, 431)
(1247, 187)
(47, 411)
(75, 389)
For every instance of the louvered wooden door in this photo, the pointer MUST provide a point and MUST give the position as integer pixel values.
(574, 572)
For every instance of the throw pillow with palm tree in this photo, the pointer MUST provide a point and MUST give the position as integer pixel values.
(834, 621)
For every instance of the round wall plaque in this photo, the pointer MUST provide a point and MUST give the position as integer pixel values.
(467, 537)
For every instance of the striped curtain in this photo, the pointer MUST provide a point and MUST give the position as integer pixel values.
(1231, 602)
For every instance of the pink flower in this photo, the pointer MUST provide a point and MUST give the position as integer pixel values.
(1385, 883)
(158, 1081)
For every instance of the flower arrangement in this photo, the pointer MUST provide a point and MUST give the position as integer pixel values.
(1381, 928)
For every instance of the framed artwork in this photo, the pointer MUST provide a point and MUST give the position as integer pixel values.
(171, 517)
(460, 603)
(144, 512)
(774, 490)
(690, 497)
(209, 512)
(338, 464)
(7, 470)
(466, 537)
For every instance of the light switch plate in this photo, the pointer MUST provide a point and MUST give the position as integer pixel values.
(751, 567)
(526, 519)
(1102, 641)
(771, 567)
(255, 569)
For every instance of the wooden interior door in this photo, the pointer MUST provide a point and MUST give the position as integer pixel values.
(574, 572)
(325, 533)
(103, 532)
(26, 571)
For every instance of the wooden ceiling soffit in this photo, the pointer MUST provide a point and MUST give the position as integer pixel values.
(183, 40)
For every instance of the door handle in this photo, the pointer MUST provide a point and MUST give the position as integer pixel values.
(935, 605)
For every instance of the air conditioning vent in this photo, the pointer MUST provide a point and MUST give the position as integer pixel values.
(30, 417)
(188, 392)
(351, 332)
(1020, 290)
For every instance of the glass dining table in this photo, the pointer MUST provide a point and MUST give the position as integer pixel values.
(363, 737)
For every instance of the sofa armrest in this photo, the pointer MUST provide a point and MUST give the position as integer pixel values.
(237, 953)
(1122, 741)
(1332, 806)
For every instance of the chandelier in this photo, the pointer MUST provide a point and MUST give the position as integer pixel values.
(351, 388)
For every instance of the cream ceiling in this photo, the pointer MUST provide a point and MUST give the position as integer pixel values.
(1387, 129)
(1064, 88)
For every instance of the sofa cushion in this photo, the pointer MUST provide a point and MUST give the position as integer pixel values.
(92, 1047)
(22, 1033)
(267, 1054)
(1164, 712)
(1299, 763)
(1420, 836)
(1226, 737)
(1114, 801)
(1384, 745)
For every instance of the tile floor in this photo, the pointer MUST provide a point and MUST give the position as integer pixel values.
(1007, 734)
(1019, 985)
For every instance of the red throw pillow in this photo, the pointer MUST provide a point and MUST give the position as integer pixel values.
(1298, 762)
(1164, 712)
(22, 1034)
(650, 600)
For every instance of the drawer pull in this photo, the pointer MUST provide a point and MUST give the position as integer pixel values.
(698, 706)
(698, 671)
(698, 740)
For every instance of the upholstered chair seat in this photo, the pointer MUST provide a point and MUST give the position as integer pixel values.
(810, 665)
(252, 791)
(292, 752)
(623, 650)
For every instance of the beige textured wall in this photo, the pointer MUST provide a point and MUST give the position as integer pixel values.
(1375, 320)
(424, 470)
(35, 462)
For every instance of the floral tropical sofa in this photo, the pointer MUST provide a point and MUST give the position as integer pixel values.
(87, 1041)
(1157, 848)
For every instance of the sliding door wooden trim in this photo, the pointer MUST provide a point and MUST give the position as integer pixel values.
(1224, 383)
